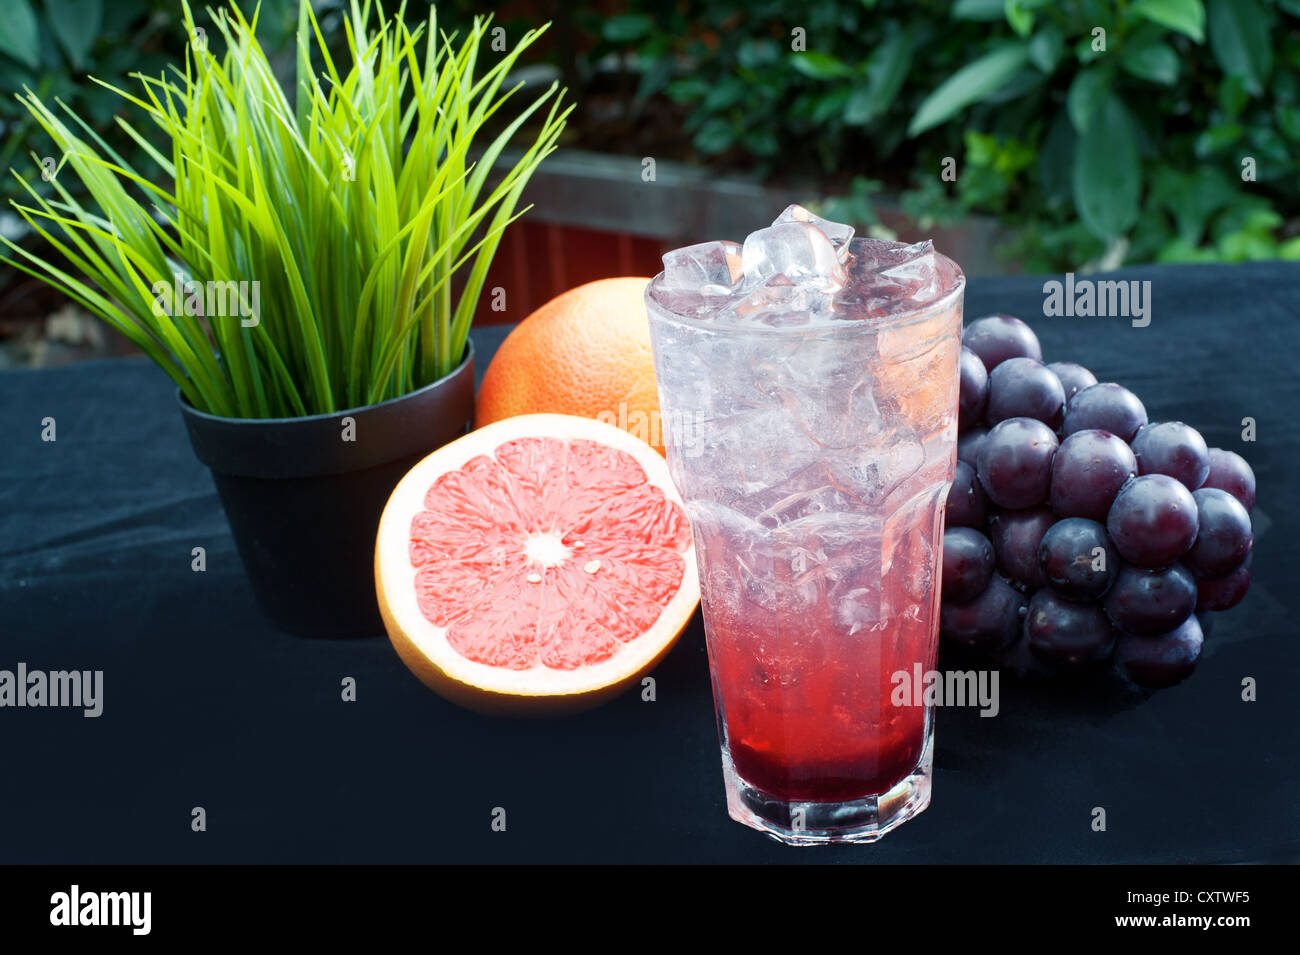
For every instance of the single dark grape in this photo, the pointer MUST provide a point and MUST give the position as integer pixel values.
(1224, 537)
(1105, 407)
(1230, 472)
(1160, 661)
(1078, 559)
(1074, 378)
(974, 390)
(1173, 448)
(1206, 619)
(969, 444)
(968, 505)
(1016, 536)
(967, 564)
(1020, 660)
(995, 338)
(1223, 593)
(1024, 388)
(989, 622)
(1015, 462)
(1153, 520)
(1151, 601)
(1064, 633)
(1089, 469)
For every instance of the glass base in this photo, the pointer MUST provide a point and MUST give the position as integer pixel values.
(821, 823)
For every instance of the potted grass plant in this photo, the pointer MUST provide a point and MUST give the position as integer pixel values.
(304, 264)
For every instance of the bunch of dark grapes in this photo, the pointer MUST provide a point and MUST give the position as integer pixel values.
(1078, 533)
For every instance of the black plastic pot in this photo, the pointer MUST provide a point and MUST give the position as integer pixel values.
(304, 503)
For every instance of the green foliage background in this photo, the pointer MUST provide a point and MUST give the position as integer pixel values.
(1130, 154)
(52, 46)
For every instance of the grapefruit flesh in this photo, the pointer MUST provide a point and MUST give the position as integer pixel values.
(586, 352)
(539, 564)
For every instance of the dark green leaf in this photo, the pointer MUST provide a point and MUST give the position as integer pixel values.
(983, 10)
(1083, 50)
(972, 83)
(687, 90)
(1185, 16)
(18, 32)
(1217, 137)
(75, 23)
(715, 136)
(1191, 197)
(1089, 90)
(1107, 174)
(1288, 121)
(1239, 39)
(829, 105)
(819, 66)
(1156, 62)
(1285, 87)
(1232, 96)
(885, 70)
(756, 54)
(654, 78)
(1270, 149)
(1056, 160)
(627, 28)
(12, 77)
(1046, 47)
(861, 106)
(727, 93)
(1020, 16)
(1023, 82)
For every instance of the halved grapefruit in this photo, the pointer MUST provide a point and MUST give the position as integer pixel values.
(538, 565)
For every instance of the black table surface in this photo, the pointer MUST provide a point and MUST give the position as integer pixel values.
(206, 705)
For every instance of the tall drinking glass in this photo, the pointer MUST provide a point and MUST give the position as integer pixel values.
(809, 385)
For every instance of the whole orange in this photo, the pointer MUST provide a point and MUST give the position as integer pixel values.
(585, 352)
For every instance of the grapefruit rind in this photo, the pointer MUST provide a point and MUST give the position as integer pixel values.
(424, 647)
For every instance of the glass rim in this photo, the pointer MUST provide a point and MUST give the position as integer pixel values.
(890, 321)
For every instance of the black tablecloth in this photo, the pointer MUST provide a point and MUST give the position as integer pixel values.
(205, 705)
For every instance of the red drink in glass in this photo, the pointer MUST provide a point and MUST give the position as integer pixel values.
(812, 432)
